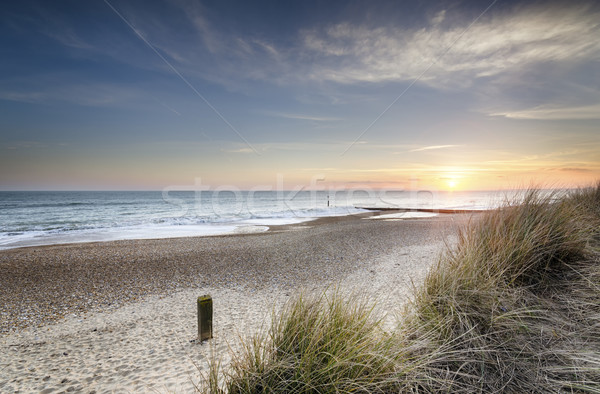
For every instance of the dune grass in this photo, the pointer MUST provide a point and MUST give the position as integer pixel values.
(317, 344)
(519, 300)
(513, 307)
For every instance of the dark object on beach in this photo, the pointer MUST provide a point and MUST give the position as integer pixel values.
(205, 313)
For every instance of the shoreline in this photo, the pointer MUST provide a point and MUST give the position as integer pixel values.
(41, 284)
(427, 210)
(132, 234)
(121, 314)
(148, 231)
(242, 226)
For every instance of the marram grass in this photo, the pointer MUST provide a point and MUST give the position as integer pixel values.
(510, 296)
(513, 307)
(317, 344)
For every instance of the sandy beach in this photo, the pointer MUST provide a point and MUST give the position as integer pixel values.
(121, 316)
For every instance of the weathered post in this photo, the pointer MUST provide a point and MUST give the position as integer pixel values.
(205, 313)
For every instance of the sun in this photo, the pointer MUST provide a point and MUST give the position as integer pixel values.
(451, 178)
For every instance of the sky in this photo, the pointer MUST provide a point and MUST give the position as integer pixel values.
(147, 95)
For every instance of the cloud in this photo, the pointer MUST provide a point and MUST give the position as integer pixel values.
(550, 113)
(433, 147)
(576, 169)
(305, 117)
(85, 94)
(197, 14)
(352, 52)
(69, 38)
(438, 18)
(24, 97)
(240, 150)
(170, 108)
(34, 145)
(492, 46)
(303, 147)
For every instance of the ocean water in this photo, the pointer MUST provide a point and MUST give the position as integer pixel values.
(44, 218)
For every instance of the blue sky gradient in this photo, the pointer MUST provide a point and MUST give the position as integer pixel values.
(150, 94)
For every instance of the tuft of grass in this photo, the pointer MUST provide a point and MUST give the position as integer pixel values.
(321, 344)
(513, 307)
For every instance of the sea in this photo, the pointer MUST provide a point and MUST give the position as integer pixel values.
(36, 218)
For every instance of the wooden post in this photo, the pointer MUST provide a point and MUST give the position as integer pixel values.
(205, 314)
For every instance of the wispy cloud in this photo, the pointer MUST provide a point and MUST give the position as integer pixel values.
(576, 169)
(240, 150)
(69, 38)
(554, 113)
(433, 147)
(24, 97)
(34, 145)
(168, 107)
(492, 46)
(85, 94)
(304, 117)
(302, 146)
(352, 52)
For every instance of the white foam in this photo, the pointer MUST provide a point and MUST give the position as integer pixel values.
(277, 221)
(169, 228)
(122, 233)
(405, 215)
